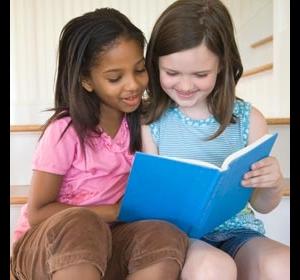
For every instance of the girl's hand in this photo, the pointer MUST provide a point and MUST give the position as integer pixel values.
(265, 173)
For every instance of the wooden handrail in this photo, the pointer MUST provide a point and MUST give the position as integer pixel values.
(18, 200)
(26, 128)
(286, 190)
(259, 69)
(278, 121)
(19, 194)
(262, 41)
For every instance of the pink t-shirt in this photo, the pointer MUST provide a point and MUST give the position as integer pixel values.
(99, 179)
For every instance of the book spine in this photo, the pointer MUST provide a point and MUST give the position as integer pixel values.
(211, 197)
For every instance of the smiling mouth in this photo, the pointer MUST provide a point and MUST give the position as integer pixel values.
(132, 100)
(185, 94)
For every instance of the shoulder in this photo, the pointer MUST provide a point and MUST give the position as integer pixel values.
(55, 153)
(258, 125)
(57, 127)
(59, 124)
(59, 133)
(241, 108)
(158, 126)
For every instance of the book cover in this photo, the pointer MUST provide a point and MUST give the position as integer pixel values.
(194, 195)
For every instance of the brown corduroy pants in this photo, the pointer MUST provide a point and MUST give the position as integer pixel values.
(78, 235)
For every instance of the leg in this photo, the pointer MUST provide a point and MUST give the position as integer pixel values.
(147, 250)
(78, 272)
(263, 258)
(203, 261)
(168, 269)
(73, 241)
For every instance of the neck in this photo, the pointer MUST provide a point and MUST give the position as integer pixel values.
(110, 120)
(198, 112)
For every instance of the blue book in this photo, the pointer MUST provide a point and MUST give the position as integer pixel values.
(194, 195)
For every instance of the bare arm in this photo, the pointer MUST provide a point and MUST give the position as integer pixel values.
(42, 200)
(265, 175)
(148, 145)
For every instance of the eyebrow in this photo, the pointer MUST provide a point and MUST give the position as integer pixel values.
(118, 69)
(196, 72)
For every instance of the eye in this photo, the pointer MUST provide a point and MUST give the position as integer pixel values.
(142, 70)
(114, 80)
(202, 75)
(171, 73)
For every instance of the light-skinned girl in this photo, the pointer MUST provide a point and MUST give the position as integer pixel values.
(194, 65)
(68, 229)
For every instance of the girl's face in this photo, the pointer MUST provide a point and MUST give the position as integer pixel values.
(189, 76)
(120, 77)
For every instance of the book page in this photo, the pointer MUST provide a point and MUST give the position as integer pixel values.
(244, 150)
(194, 161)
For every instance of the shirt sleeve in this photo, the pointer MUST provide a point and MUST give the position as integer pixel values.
(55, 154)
(242, 110)
(155, 132)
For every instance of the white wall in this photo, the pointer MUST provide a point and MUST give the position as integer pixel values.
(281, 53)
(35, 26)
(22, 146)
(277, 222)
(255, 20)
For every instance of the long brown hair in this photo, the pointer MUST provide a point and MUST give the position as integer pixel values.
(186, 24)
(81, 41)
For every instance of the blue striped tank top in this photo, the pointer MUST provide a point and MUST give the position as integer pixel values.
(177, 135)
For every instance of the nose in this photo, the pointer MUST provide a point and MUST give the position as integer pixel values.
(132, 83)
(185, 84)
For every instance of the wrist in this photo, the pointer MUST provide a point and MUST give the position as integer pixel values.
(280, 185)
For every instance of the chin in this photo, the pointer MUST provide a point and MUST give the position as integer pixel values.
(130, 109)
(185, 103)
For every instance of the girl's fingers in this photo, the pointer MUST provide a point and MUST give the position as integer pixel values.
(266, 181)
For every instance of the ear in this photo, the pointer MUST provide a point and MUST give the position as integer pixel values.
(87, 85)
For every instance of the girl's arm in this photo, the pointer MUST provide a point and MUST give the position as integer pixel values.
(148, 145)
(265, 175)
(42, 200)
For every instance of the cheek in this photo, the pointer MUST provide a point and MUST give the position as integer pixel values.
(166, 81)
(207, 84)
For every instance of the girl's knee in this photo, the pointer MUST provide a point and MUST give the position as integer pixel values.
(208, 265)
(166, 235)
(77, 228)
(156, 242)
(275, 265)
(165, 269)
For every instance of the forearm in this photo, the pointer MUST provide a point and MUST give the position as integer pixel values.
(108, 213)
(264, 200)
(38, 214)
